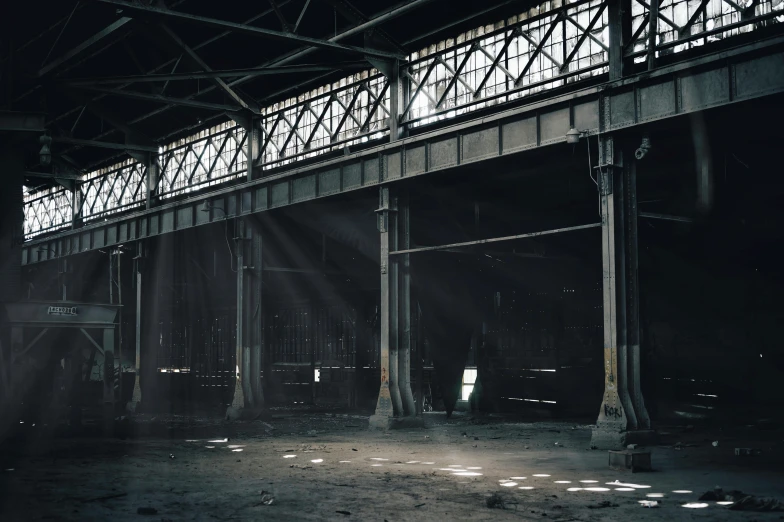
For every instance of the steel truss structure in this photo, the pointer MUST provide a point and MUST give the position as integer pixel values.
(550, 46)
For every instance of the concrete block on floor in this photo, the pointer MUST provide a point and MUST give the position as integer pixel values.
(632, 460)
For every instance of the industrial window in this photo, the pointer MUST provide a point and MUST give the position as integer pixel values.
(112, 189)
(45, 210)
(469, 380)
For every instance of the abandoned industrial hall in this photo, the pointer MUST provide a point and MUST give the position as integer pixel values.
(392, 260)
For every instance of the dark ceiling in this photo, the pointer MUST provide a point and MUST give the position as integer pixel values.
(46, 45)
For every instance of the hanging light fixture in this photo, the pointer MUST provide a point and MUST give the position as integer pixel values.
(573, 136)
(45, 154)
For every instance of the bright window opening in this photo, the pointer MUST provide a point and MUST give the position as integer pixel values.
(316, 374)
(469, 379)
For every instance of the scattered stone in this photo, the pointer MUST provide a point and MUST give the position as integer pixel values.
(649, 503)
(343, 512)
(146, 511)
(715, 443)
(171, 456)
(354, 449)
(266, 498)
(743, 501)
(476, 438)
(495, 501)
(420, 505)
(604, 504)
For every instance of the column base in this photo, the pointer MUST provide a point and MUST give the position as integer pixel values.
(384, 422)
(133, 405)
(234, 413)
(606, 438)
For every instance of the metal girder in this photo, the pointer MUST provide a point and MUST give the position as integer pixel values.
(354, 15)
(495, 239)
(665, 93)
(79, 49)
(301, 14)
(162, 99)
(53, 175)
(283, 23)
(103, 144)
(226, 73)
(240, 28)
(12, 121)
(241, 100)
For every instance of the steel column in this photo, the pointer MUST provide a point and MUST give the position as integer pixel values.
(403, 269)
(136, 396)
(389, 402)
(254, 321)
(108, 380)
(623, 411)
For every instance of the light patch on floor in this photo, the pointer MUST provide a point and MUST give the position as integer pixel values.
(508, 484)
(695, 505)
(289, 456)
(625, 489)
(562, 481)
(210, 447)
(317, 461)
(467, 474)
(597, 489)
(574, 489)
(517, 478)
(725, 502)
(376, 465)
(412, 462)
(218, 440)
(526, 487)
(589, 481)
(377, 458)
(541, 475)
(232, 446)
(474, 467)
(344, 461)
(237, 450)
(655, 495)
(682, 491)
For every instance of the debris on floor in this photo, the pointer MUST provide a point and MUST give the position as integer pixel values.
(266, 498)
(495, 501)
(343, 512)
(715, 444)
(603, 504)
(743, 501)
(649, 503)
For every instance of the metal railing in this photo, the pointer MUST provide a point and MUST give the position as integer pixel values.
(47, 210)
(112, 189)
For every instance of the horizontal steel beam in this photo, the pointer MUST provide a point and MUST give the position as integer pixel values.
(82, 47)
(145, 10)
(13, 121)
(103, 144)
(50, 175)
(161, 99)
(495, 239)
(226, 73)
(712, 81)
(665, 217)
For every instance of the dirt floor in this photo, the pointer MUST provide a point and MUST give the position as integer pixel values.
(329, 466)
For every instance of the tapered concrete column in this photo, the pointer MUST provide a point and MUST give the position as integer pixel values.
(248, 394)
(108, 380)
(136, 396)
(395, 406)
(388, 396)
(403, 263)
(622, 414)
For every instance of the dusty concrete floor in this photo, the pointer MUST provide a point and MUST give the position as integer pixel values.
(343, 471)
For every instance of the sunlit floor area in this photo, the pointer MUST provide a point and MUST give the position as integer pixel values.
(316, 465)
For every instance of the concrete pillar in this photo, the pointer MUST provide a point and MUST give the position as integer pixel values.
(395, 406)
(404, 307)
(108, 380)
(136, 396)
(248, 393)
(622, 414)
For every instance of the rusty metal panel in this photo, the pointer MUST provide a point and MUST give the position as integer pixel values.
(111, 235)
(184, 217)
(144, 226)
(280, 194)
(99, 237)
(416, 160)
(553, 126)
(261, 199)
(352, 176)
(759, 76)
(246, 203)
(480, 144)
(154, 226)
(586, 116)
(519, 135)
(303, 188)
(371, 171)
(329, 182)
(443, 153)
(122, 232)
(656, 101)
(231, 204)
(167, 220)
(621, 107)
(700, 90)
(392, 165)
